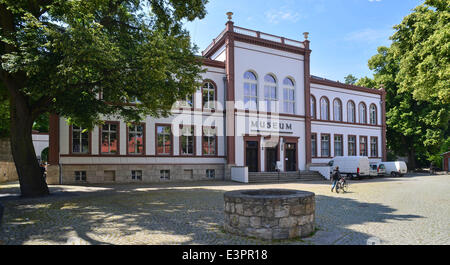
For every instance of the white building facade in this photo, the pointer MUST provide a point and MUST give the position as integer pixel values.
(258, 105)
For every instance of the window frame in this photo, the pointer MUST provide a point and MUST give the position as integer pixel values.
(181, 143)
(329, 145)
(342, 144)
(328, 108)
(251, 82)
(81, 175)
(170, 137)
(135, 176)
(366, 147)
(214, 89)
(365, 113)
(269, 100)
(215, 139)
(313, 98)
(288, 101)
(355, 145)
(208, 173)
(163, 176)
(351, 102)
(100, 137)
(316, 154)
(89, 152)
(377, 153)
(340, 118)
(375, 116)
(143, 139)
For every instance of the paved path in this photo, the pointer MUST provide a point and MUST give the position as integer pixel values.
(410, 210)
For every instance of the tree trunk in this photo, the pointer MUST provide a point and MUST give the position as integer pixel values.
(32, 182)
(411, 158)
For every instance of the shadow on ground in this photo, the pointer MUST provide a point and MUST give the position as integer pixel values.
(150, 215)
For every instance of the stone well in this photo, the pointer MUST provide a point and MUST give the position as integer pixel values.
(270, 214)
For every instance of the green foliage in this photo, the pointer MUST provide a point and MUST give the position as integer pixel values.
(41, 124)
(366, 82)
(350, 79)
(417, 99)
(422, 46)
(44, 155)
(68, 52)
(391, 156)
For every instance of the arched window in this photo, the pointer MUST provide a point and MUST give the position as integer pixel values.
(324, 109)
(362, 113)
(373, 114)
(209, 95)
(351, 115)
(313, 107)
(337, 109)
(289, 96)
(270, 92)
(250, 91)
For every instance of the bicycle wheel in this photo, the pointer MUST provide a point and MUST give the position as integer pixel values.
(338, 187)
(345, 187)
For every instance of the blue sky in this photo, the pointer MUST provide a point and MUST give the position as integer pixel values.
(344, 34)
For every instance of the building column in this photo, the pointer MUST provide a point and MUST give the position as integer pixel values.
(230, 109)
(383, 124)
(306, 64)
(53, 170)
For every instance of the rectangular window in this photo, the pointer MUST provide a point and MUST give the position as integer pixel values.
(338, 145)
(187, 140)
(80, 175)
(165, 174)
(136, 174)
(314, 145)
(270, 96)
(373, 146)
(289, 100)
(209, 96)
(250, 96)
(209, 141)
(110, 138)
(351, 145)
(211, 173)
(136, 140)
(164, 140)
(363, 145)
(80, 140)
(325, 145)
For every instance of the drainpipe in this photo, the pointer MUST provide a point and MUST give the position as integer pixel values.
(225, 82)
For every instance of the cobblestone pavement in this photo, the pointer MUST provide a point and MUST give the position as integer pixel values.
(410, 210)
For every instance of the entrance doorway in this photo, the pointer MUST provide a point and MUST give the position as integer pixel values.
(290, 155)
(271, 159)
(251, 156)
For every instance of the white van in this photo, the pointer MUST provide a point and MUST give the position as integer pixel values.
(352, 166)
(395, 169)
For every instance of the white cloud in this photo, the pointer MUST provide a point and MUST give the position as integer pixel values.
(369, 35)
(276, 16)
(374, 0)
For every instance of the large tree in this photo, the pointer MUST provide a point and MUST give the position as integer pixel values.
(88, 59)
(415, 71)
(350, 79)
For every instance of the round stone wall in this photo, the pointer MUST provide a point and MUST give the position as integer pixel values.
(270, 214)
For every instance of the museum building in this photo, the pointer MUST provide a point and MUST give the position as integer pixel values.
(259, 108)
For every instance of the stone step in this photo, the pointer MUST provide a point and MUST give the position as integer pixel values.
(274, 177)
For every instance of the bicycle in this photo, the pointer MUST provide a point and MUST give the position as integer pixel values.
(342, 184)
